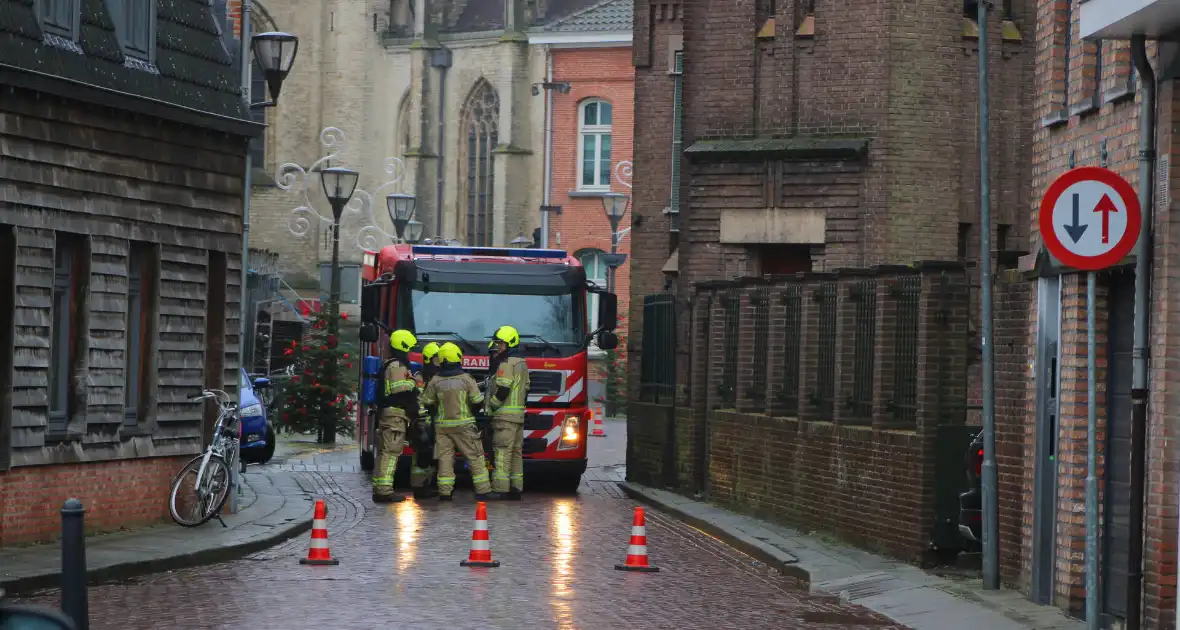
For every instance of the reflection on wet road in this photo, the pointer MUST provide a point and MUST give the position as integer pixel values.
(399, 568)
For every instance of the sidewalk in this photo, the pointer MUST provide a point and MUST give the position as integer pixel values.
(273, 507)
(902, 592)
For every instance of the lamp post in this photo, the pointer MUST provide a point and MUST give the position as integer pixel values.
(615, 205)
(339, 184)
(414, 232)
(401, 210)
(275, 53)
(521, 241)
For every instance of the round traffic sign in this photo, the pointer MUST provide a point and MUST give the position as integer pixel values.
(1090, 218)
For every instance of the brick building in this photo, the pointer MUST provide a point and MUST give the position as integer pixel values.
(1088, 111)
(590, 132)
(120, 212)
(840, 141)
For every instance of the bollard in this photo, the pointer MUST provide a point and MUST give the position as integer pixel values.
(73, 564)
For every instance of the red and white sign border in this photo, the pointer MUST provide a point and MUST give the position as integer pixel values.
(1130, 202)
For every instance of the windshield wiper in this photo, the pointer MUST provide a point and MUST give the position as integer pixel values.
(456, 335)
(542, 340)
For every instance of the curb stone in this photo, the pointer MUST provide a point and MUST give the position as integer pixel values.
(776, 558)
(125, 570)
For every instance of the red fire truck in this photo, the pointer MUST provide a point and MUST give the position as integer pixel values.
(462, 294)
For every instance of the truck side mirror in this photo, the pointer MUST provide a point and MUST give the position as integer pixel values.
(261, 383)
(608, 311)
(370, 302)
(607, 340)
(369, 332)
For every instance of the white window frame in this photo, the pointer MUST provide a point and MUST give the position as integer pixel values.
(598, 278)
(597, 131)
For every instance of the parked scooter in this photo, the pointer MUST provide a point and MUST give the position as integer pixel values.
(971, 501)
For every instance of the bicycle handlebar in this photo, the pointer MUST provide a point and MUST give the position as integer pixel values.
(223, 399)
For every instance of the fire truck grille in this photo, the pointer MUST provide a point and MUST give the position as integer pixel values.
(545, 382)
(538, 422)
(534, 445)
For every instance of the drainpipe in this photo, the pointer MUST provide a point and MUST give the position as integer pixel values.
(1147, 89)
(677, 142)
(441, 59)
(247, 184)
(548, 147)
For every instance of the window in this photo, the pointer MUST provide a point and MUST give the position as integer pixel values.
(135, 23)
(1068, 27)
(403, 126)
(481, 121)
(594, 263)
(59, 17)
(350, 282)
(141, 330)
(594, 140)
(71, 271)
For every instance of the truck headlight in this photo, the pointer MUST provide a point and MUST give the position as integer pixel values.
(569, 434)
(251, 410)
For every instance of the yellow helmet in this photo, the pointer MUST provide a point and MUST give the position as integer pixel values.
(429, 351)
(402, 340)
(508, 335)
(450, 353)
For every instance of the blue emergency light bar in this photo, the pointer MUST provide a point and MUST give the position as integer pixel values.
(446, 250)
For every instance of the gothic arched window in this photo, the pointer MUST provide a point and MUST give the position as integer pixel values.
(481, 120)
(403, 127)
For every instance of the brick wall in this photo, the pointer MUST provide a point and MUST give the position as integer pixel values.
(1015, 437)
(865, 472)
(593, 73)
(1081, 113)
(117, 495)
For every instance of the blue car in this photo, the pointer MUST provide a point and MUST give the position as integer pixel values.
(258, 435)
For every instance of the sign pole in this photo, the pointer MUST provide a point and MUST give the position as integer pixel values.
(1091, 459)
(1090, 220)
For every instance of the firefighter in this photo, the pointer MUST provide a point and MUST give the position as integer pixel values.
(507, 393)
(422, 473)
(453, 396)
(399, 406)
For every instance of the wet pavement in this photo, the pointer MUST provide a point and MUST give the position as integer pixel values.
(399, 568)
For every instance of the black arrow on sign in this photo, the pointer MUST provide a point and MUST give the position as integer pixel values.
(1075, 230)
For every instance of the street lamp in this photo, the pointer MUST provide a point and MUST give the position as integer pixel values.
(339, 184)
(414, 232)
(275, 53)
(401, 209)
(521, 241)
(615, 205)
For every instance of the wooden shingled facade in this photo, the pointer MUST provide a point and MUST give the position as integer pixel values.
(132, 197)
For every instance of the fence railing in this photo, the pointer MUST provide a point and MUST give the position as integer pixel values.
(657, 382)
(881, 347)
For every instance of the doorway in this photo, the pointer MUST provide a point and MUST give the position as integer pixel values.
(1116, 530)
(1044, 550)
(215, 294)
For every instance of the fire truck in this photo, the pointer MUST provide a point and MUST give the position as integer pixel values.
(463, 294)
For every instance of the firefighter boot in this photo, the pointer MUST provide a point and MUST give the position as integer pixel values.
(513, 495)
(490, 496)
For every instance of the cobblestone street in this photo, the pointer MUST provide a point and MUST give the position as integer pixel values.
(399, 568)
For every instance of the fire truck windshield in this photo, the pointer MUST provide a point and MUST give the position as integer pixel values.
(474, 315)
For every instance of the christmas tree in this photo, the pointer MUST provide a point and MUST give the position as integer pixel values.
(616, 373)
(319, 396)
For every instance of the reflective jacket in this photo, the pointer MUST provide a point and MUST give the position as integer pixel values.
(508, 391)
(454, 395)
(400, 389)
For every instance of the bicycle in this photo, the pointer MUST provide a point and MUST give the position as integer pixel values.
(211, 469)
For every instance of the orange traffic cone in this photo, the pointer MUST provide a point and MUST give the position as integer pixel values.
(637, 553)
(481, 544)
(318, 553)
(599, 428)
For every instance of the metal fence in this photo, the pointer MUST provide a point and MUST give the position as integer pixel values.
(824, 396)
(904, 405)
(727, 392)
(760, 304)
(657, 382)
(864, 296)
(792, 347)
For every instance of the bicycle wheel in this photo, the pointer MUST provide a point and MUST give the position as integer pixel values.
(190, 506)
